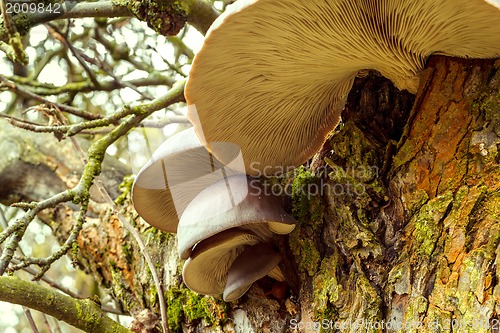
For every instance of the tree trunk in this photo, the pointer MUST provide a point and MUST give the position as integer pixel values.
(414, 248)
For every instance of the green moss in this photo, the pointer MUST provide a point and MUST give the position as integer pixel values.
(417, 307)
(74, 250)
(85, 314)
(175, 313)
(164, 17)
(326, 289)
(304, 249)
(16, 50)
(153, 294)
(361, 163)
(153, 235)
(426, 223)
(187, 306)
(489, 103)
(306, 196)
(128, 252)
(121, 287)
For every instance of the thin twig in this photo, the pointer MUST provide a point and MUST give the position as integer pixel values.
(47, 325)
(54, 32)
(44, 89)
(45, 263)
(28, 94)
(28, 315)
(105, 68)
(71, 130)
(145, 254)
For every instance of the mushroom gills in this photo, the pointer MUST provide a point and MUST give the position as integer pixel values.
(205, 271)
(252, 264)
(273, 75)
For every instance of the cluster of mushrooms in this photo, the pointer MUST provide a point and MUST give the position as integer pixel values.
(269, 83)
(224, 220)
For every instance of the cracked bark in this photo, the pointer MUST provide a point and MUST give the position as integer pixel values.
(417, 251)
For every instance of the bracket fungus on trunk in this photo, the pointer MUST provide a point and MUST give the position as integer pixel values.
(233, 202)
(179, 169)
(273, 75)
(222, 211)
(231, 218)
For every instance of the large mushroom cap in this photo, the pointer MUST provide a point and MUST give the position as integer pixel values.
(252, 264)
(273, 75)
(205, 271)
(178, 170)
(234, 202)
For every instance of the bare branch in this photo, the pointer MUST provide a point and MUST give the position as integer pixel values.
(25, 93)
(71, 130)
(28, 315)
(44, 89)
(200, 14)
(24, 21)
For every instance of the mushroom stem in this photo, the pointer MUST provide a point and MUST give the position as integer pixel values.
(252, 264)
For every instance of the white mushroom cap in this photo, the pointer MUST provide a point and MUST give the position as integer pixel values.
(252, 264)
(273, 75)
(234, 202)
(205, 271)
(178, 170)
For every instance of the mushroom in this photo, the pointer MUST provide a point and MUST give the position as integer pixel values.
(233, 202)
(252, 264)
(205, 271)
(273, 76)
(178, 170)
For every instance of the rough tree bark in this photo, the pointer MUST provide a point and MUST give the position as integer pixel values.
(417, 250)
(398, 222)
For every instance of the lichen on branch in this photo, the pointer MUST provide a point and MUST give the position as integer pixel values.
(165, 17)
(84, 314)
